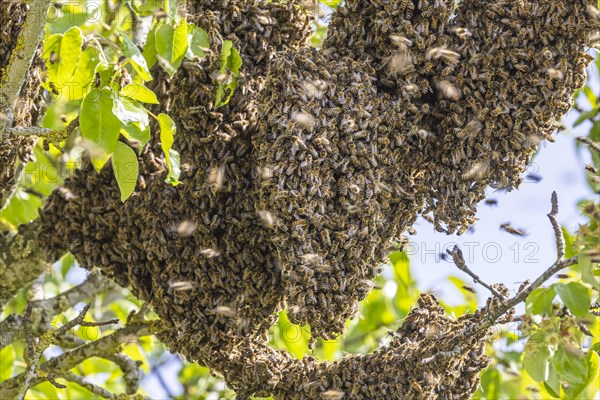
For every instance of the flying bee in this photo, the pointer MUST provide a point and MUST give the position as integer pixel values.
(535, 178)
(437, 53)
(186, 228)
(224, 311)
(304, 120)
(402, 42)
(512, 230)
(469, 289)
(333, 394)
(177, 286)
(210, 253)
(478, 171)
(491, 202)
(267, 218)
(555, 74)
(448, 90)
(216, 177)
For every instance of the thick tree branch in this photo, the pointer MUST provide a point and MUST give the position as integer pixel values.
(29, 131)
(21, 59)
(21, 261)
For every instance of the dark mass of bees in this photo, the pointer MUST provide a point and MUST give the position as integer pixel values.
(294, 192)
(15, 151)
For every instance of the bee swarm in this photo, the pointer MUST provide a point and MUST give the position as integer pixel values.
(293, 192)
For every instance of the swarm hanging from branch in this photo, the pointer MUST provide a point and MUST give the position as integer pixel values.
(293, 192)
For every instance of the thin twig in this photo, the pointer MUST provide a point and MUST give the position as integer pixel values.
(97, 390)
(11, 328)
(522, 295)
(459, 261)
(558, 235)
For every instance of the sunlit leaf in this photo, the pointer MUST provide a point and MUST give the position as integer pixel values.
(126, 168)
(540, 301)
(575, 296)
(98, 123)
(138, 61)
(61, 53)
(167, 138)
(171, 44)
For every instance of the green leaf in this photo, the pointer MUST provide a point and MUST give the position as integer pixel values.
(171, 45)
(571, 365)
(198, 42)
(575, 296)
(61, 53)
(138, 61)
(126, 168)
(134, 133)
(587, 271)
(536, 362)
(167, 138)
(99, 125)
(130, 111)
(151, 6)
(584, 116)
(490, 382)
(7, 358)
(230, 60)
(540, 301)
(139, 93)
(552, 384)
(150, 48)
(84, 74)
(591, 386)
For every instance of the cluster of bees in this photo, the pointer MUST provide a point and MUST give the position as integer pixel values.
(17, 150)
(293, 192)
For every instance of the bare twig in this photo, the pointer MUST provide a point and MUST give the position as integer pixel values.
(97, 390)
(459, 261)
(11, 328)
(522, 295)
(560, 240)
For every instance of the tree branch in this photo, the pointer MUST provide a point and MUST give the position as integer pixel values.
(459, 261)
(65, 362)
(11, 328)
(20, 60)
(21, 261)
(97, 390)
(521, 296)
(29, 131)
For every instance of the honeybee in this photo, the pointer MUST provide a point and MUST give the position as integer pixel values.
(333, 394)
(512, 230)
